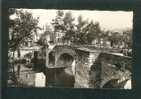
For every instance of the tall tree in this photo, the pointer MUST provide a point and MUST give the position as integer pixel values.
(21, 28)
(64, 26)
(114, 38)
(58, 24)
(127, 38)
(80, 32)
(94, 31)
(69, 27)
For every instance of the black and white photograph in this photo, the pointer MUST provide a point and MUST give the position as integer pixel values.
(53, 48)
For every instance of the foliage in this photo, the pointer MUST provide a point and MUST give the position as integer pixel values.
(69, 27)
(21, 28)
(58, 21)
(127, 37)
(94, 31)
(79, 32)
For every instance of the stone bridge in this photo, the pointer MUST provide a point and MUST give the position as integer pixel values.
(86, 68)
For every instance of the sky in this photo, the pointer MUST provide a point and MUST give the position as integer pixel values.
(109, 20)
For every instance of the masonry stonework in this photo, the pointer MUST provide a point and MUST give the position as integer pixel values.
(93, 68)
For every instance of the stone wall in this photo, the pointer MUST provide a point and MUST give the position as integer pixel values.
(82, 70)
(92, 69)
(95, 69)
(83, 73)
(114, 67)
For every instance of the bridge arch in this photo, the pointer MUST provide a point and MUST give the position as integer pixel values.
(64, 53)
(63, 58)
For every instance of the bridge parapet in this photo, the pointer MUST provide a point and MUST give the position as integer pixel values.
(100, 67)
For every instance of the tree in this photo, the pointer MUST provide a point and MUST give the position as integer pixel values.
(115, 39)
(87, 31)
(93, 32)
(21, 28)
(80, 32)
(58, 24)
(69, 27)
(127, 38)
(63, 24)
